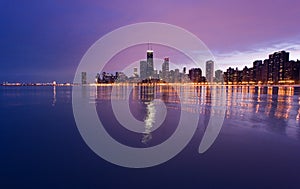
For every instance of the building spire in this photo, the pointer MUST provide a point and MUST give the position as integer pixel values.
(149, 46)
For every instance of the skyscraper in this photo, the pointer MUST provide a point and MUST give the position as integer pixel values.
(83, 78)
(219, 76)
(257, 71)
(176, 76)
(278, 61)
(135, 72)
(143, 69)
(265, 71)
(210, 71)
(150, 66)
(296, 72)
(165, 69)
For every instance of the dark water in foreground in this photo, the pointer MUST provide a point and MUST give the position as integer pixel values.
(258, 146)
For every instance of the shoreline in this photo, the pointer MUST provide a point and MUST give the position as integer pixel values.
(143, 84)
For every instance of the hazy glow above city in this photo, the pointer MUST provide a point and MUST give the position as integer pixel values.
(45, 41)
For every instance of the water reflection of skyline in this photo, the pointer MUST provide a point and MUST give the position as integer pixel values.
(149, 121)
(278, 102)
(54, 96)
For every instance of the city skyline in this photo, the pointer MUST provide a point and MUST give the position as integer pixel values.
(231, 75)
(276, 69)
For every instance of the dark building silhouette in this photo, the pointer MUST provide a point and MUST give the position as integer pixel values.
(246, 75)
(195, 75)
(265, 71)
(143, 69)
(278, 69)
(228, 75)
(83, 78)
(296, 71)
(218, 76)
(288, 70)
(150, 65)
(257, 71)
(278, 61)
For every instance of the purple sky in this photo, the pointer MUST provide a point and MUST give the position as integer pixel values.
(45, 40)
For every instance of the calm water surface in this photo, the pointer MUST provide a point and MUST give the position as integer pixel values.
(258, 146)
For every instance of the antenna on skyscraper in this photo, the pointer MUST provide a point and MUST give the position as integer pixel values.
(149, 46)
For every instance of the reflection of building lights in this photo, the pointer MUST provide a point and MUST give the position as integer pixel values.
(270, 90)
(286, 82)
(241, 100)
(54, 96)
(298, 115)
(149, 121)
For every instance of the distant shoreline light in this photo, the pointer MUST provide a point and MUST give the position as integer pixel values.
(36, 84)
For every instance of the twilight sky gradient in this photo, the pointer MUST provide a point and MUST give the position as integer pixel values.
(45, 40)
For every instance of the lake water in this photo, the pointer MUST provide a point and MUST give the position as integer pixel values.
(258, 145)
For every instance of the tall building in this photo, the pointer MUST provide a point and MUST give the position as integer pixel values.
(291, 72)
(210, 71)
(270, 70)
(171, 76)
(229, 75)
(195, 75)
(296, 72)
(277, 69)
(246, 75)
(135, 72)
(219, 76)
(176, 76)
(265, 71)
(257, 71)
(150, 65)
(83, 78)
(155, 74)
(165, 69)
(288, 70)
(278, 61)
(237, 76)
(143, 69)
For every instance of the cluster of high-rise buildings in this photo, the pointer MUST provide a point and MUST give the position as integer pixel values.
(277, 69)
(149, 74)
(147, 71)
